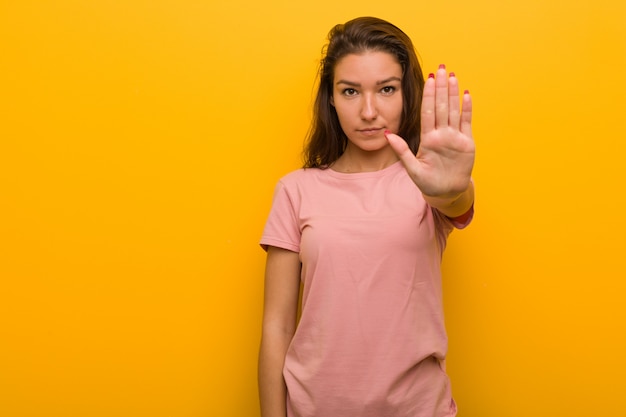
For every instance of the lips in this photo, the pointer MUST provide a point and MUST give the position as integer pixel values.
(370, 131)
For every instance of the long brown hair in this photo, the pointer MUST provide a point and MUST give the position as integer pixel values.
(326, 140)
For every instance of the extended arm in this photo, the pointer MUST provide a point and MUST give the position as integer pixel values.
(282, 288)
(443, 165)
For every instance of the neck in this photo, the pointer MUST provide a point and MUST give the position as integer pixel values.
(358, 160)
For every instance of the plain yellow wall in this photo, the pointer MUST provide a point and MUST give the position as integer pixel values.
(140, 142)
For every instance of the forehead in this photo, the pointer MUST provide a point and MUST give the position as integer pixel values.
(370, 65)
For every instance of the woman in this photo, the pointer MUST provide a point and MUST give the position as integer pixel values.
(362, 227)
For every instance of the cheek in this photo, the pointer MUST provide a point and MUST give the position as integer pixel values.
(400, 109)
(395, 111)
(343, 113)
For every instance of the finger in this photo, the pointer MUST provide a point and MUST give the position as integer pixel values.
(466, 115)
(453, 101)
(428, 105)
(401, 149)
(441, 98)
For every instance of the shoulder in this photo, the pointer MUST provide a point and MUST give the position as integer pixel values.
(293, 176)
(301, 177)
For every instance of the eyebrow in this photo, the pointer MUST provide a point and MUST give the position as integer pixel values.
(385, 81)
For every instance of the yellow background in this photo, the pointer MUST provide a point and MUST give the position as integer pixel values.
(140, 142)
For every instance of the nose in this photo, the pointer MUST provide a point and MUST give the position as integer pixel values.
(369, 108)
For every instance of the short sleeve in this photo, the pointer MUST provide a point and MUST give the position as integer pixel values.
(445, 225)
(282, 228)
(462, 221)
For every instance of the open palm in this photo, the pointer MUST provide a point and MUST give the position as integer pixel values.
(445, 158)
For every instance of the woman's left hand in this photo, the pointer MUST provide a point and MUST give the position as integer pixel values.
(443, 165)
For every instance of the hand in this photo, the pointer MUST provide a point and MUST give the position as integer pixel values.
(443, 165)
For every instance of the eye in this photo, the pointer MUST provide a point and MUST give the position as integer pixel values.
(388, 90)
(349, 92)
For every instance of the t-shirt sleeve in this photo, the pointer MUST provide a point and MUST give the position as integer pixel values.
(462, 221)
(282, 228)
(445, 225)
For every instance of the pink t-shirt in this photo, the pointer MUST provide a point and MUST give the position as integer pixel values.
(371, 340)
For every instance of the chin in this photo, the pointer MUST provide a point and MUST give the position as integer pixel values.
(374, 147)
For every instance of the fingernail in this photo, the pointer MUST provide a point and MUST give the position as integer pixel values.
(466, 92)
(431, 75)
(442, 66)
(452, 74)
(387, 132)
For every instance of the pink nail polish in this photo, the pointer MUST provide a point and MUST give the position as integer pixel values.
(387, 132)
(442, 66)
(452, 74)
(466, 92)
(431, 75)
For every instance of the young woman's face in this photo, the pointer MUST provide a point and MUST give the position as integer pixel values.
(367, 96)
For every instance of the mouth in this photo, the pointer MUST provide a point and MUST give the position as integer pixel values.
(370, 131)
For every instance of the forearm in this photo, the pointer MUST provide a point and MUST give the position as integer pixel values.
(272, 389)
(282, 286)
(453, 206)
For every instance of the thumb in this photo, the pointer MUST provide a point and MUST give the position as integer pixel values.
(401, 148)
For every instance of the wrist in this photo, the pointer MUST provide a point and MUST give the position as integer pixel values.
(453, 205)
